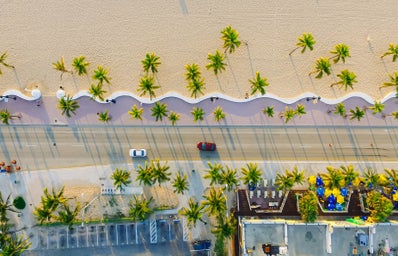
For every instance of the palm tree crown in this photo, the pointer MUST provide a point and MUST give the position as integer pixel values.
(251, 173)
(196, 87)
(341, 51)
(104, 116)
(218, 113)
(159, 111)
(60, 66)
(135, 112)
(216, 62)
(101, 74)
(147, 85)
(230, 37)
(174, 117)
(340, 109)
(347, 79)
(151, 63)
(3, 58)
(393, 81)
(392, 50)
(139, 208)
(288, 114)
(269, 111)
(356, 113)
(120, 178)
(97, 91)
(228, 177)
(80, 64)
(322, 66)
(193, 71)
(197, 113)
(193, 213)
(258, 84)
(215, 202)
(300, 110)
(160, 172)
(180, 183)
(68, 106)
(304, 41)
(213, 173)
(378, 107)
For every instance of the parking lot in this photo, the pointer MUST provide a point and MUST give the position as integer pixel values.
(100, 235)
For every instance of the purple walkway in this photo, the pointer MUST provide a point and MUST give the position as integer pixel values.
(247, 113)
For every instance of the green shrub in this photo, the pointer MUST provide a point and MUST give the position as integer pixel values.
(19, 203)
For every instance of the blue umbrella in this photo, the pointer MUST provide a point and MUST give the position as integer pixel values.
(320, 191)
(319, 181)
(344, 192)
(331, 207)
(339, 207)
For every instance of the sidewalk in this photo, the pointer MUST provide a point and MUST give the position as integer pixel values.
(238, 112)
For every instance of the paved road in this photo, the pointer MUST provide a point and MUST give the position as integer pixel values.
(34, 146)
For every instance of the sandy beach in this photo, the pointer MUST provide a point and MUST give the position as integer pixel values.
(117, 36)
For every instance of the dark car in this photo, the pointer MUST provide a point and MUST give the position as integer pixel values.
(206, 146)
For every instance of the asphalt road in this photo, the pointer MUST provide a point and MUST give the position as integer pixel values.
(48, 147)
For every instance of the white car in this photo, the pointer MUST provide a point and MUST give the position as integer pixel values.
(137, 152)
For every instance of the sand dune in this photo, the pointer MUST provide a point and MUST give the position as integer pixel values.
(38, 33)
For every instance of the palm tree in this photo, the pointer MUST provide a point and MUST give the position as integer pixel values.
(216, 63)
(393, 81)
(68, 215)
(60, 66)
(96, 91)
(339, 109)
(120, 178)
(226, 227)
(349, 174)
(198, 114)
(347, 80)
(300, 110)
(218, 114)
(379, 206)
(174, 117)
(298, 177)
(322, 66)
(269, 111)
(284, 182)
(135, 112)
(68, 106)
(228, 177)
(43, 214)
(288, 114)
(5, 205)
(147, 85)
(392, 50)
(213, 173)
(392, 175)
(15, 245)
(160, 172)
(6, 116)
(341, 51)
(159, 111)
(215, 202)
(378, 107)
(101, 74)
(193, 213)
(145, 175)
(304, 41)
(196, 86)
(334, 178)
(139, 208)
(151, 63)
(180, 183)
(251, 173)
(356, 113)
(230, 37)
(80, 64)
(3, 62)
(193, 72)
(53, 200)
(371, 177)
(104, 116)
(258, 84)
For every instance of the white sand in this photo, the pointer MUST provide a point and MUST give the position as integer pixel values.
(118, 34)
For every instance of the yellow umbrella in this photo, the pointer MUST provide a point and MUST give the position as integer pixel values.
(395, 197)
(328, 192)
(340, 199)
(312, 180)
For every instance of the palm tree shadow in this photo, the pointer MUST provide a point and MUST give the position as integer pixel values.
(219, 84)
(21, 88)
(233, 75)
(296, 73)
(250, 58)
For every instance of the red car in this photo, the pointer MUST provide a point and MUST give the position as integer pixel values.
(206, 146)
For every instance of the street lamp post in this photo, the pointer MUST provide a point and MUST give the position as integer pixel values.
(83, 208)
